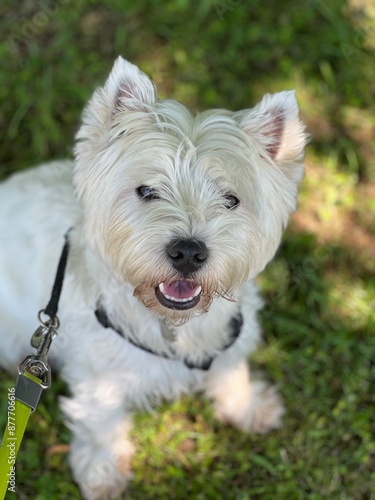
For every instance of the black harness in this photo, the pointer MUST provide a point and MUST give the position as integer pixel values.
(234, 328)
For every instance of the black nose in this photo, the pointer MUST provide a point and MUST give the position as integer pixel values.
(187, 256)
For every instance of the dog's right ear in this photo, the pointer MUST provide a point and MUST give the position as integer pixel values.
(127, 88)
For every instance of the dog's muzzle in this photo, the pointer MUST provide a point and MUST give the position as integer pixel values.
(187, 257)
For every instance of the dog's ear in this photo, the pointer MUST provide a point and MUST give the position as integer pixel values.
(129, 88)
(275, 125)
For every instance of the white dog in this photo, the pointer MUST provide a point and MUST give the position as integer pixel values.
(172, 217)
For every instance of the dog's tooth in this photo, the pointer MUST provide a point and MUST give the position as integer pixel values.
(174, 299)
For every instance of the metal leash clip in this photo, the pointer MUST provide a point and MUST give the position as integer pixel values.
(27, 390)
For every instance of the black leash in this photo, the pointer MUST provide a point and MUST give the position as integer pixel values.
(52, 306)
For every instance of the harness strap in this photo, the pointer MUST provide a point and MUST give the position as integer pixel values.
(235, 326)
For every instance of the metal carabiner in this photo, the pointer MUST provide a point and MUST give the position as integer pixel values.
(41, 340)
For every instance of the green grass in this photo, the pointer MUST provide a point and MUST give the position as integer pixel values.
(319, 318)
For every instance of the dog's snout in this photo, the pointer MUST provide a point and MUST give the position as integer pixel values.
(187, 256)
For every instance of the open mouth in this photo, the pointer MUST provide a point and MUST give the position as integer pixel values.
(180, 294)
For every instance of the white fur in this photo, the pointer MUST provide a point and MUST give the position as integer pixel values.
(118, 243)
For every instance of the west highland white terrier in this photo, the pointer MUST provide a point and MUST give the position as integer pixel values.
(172, 216)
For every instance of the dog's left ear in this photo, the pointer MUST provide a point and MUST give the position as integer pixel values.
(275, 125)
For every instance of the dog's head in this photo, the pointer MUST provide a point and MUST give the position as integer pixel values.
(185, 208)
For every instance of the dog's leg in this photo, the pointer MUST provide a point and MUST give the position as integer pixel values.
(248, 405)
(100, 452)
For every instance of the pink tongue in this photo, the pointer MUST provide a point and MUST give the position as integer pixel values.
(180, 289)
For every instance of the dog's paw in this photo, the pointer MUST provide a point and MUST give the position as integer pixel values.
(100, 473)
(259, 413)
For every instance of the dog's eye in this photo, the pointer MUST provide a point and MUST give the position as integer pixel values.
(147, 193)
(231, 201)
